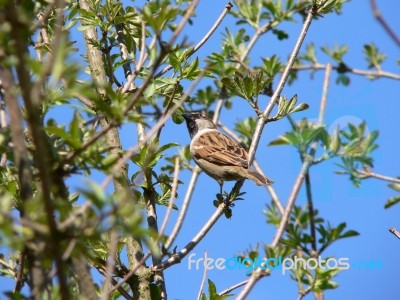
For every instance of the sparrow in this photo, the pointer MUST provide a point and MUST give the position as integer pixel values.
(218, 155)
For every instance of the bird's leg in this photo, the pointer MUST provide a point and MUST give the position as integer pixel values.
(220, 196)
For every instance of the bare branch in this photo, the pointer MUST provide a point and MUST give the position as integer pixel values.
(395, 232)
(131, 272)
(120, 289)
(227, 8)
(256, 275)
(185, 205)
(203, 280)
(306, 164)
(382, 21)
(43, 17)
(176, 258)
(19, 279)
(171, 199)
(311, 213)
(369, 74)
(233, 287)
(143, 56)
(113, 245)
(43, 155)
(261, 122)
(368, 174)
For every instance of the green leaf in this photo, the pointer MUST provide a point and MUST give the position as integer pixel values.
(337, 52)
(289, 138)
(395, 186)
(247, 86)
(335, 144)
(177, 116)
(286, 107)
(300, 107)
(373, 56)
(392, 201)
(349, 233)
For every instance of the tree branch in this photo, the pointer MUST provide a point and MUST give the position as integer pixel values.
(369, 174)
(203, 280)
(109, 130)
(109, 271)
(395, 232)
(369, 74)
(171, 199)
(132, 151)
(233, 287)
(275, 97)
(43, 155)
(227, 8)
(176, 258)
(185, 205)
(382, 21)
(257, 274)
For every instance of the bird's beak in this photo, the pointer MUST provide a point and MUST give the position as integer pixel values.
(187, 116)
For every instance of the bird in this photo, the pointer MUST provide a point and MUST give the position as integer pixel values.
(218, 155)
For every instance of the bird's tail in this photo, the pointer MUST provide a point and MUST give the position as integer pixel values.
(258, 178)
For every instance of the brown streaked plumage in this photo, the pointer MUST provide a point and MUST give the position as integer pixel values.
(218, 155)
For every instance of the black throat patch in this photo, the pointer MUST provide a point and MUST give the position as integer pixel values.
(192, 127)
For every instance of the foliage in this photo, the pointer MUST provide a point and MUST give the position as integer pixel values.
(64, 106)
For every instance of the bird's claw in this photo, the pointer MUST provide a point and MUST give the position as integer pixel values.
(220, 198)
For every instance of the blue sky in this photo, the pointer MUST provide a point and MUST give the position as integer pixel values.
(335, 197)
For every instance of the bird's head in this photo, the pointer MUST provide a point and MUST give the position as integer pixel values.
(196, 121)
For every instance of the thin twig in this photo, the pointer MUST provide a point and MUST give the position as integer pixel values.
(203, 280)
(43, 17)
(181, 25)
(142, 59)
(3, 124)
(137, 93)
(269, 188)
(132, 151)
(233, 287)
(260, 31)
(311, 213)
(368, 173)
(171, 199)
(19, 279)
(31, 95)
(306, 164)
(382, 21)
(275, 97)
(176, 258)
(257, 274)
(395, 232)
(227, 8)
(109, 271)
(131, 272)
(310, 203)
(120, 289)
(7, 266)
(369, 74)
(167, 107)
(185, 205)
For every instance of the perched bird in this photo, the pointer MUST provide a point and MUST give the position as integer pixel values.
(216, 154)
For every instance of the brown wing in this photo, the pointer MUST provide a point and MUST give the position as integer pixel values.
(217, 148)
